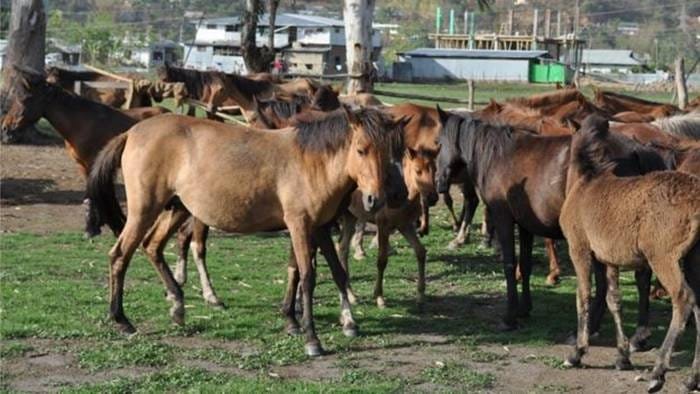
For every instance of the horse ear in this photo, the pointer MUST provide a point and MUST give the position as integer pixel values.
(442, 114)
(572, 125)
(351, 115)
(411, 153)
(596, 124)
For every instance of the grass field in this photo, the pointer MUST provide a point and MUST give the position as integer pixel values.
(55, 333)
(53, 295)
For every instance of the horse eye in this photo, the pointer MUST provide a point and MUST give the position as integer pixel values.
(419, 172)
(361, 152)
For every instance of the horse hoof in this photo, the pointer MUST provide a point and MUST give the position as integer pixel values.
(177, 314)
(623, 364)
(655, 385)
(214, 302)
(293, 331)
(507, 326)
(453, 245)
(572, 363)
(350, 332)
(381, 304)
(126, 328)
(313, 349)
(352, 299)
(552, 281)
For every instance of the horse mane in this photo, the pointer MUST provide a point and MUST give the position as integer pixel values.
(606, 93)
(591, 151)
(548, 98)
(325, 99)
(248, 85)
(65, 75)
(327, 132)
(683, 125)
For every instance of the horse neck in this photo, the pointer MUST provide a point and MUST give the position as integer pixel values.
(60, 111)
(328, 173)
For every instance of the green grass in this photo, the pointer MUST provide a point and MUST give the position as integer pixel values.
(54, 287)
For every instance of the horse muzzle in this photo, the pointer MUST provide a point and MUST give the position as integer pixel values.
(431, 199)
(442, 185)
(371, 202)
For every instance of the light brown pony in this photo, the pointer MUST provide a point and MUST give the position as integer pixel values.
(294, 178)
(86, 126)
(652, 219)
(614, 103)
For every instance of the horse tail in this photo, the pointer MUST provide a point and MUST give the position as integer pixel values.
(100, 185)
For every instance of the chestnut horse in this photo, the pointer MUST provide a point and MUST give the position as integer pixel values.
(295, 179)
(631, 222)
(86, 126)
(521, 179)
(614, 103)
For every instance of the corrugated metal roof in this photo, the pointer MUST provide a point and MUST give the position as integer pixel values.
(474, 54)
(281, 20)
(309, 49)
(619, 57)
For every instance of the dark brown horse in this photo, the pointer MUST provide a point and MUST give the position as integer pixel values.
(521, 178)
(86, 126)
(632, 222)
(294, 179)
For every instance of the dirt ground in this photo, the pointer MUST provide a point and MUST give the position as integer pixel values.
(41, 191)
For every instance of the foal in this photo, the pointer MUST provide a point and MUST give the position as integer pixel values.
(296, 179)
(630, 222)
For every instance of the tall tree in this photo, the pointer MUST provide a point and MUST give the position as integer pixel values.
(257, 59)
(25, 47)
(358, 15)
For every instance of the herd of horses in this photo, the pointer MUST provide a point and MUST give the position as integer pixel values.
(616, 176)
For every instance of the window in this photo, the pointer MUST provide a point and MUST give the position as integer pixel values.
(309, 66)
(337, 30)
(211, 27)
(231, 28)
(224, 51)
(157, 56)
(201, 48)
(320, 30)
(337, 61)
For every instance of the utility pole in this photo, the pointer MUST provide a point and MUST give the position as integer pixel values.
(577, 15)
(547, 22)
(558, 23)
(684, 18)
(510, 22)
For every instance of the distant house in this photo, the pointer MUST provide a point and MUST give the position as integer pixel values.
(308, 44)
(156, 54)
(628, 28)
(435, 64)
(606, 61)
(60, 54)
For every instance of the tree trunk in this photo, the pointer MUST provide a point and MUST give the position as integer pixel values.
(25, 48)
(358, 16)
(256, 60)
(273, 19)
(681, 87)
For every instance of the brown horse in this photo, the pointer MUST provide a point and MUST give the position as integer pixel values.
(294, 179)
(86, 126)
(652, 219)
(521, 178)
(614, 103)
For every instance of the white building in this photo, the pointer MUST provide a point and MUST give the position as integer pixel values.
(156, 54)
(607, 61)
(308, 44)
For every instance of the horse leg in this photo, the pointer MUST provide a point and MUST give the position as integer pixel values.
(200, 233)
(357, 237)
(154, 244)
(554, 271)
(137, 224)
(346, 234)
(409, 232)
(447, 198)
(503, 223)
(301, 242)
(184, 238)
(669, 273)
(643, 280)
(601, 291)
(290, 295)
(382, 260)
(692, 276)
(424, 219)
(582, 258)
(341, 278)
(471, 202)
(613, 299)
(526, 240)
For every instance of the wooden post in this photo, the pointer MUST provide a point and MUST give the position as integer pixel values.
(358, 16)
(681, 88)
(470, 87)
(535, 23)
